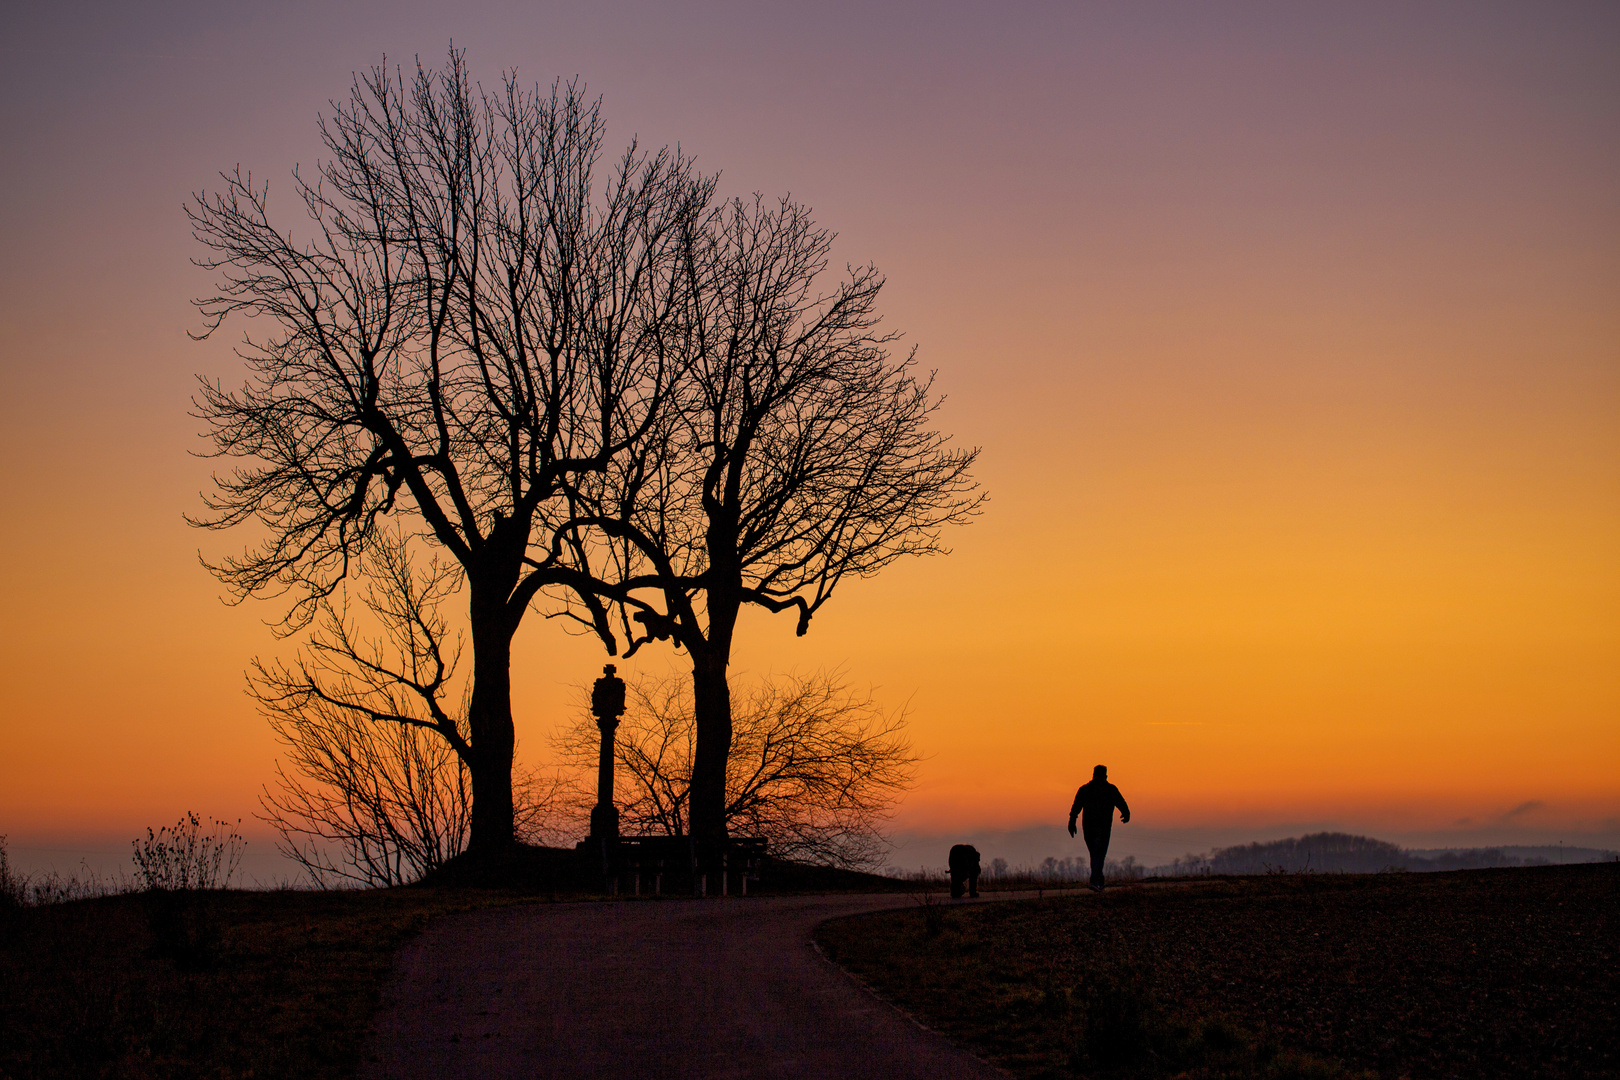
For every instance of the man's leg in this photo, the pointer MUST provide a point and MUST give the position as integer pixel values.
(1097, 844)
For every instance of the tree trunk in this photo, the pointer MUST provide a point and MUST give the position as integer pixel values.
(711, 701)
(711, 694)
(489, 719)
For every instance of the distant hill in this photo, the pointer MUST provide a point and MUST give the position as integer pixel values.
(1511, 855)
(1344, 853)
(1319, 851)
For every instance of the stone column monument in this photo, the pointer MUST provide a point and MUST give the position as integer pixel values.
(607, 702)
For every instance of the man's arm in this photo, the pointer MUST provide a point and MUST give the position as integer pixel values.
(1124, 811)
(1074, 811)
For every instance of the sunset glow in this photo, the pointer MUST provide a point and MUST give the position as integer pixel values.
(1290, 337)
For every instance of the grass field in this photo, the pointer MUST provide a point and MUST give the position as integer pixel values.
(1469, 974)
(224, 984)
(205, 984)
(1494, 973)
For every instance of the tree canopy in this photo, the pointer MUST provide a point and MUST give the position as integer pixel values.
(795, 452)
(464, 322)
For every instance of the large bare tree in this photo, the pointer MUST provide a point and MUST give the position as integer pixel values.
(797, 452)
(463, 323)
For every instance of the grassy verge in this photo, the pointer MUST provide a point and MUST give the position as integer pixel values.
(1474, 973)
(224, 984)
(207, 984)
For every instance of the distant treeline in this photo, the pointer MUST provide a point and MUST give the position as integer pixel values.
(1347, 854)
(1318, 853)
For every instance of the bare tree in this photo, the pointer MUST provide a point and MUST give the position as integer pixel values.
(377, 806)
(465, 323)
(814, 767)
(796, 452)
(378, 792)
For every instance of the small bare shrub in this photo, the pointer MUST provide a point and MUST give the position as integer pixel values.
(53, 888)
(36, 890)
(13, 888)
(184, 857)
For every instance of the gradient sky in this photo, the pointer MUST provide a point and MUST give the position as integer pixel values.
(1291, 335)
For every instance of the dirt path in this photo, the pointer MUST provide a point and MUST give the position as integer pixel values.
(716, 988)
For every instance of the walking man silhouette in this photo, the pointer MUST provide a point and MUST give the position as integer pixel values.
(1096, 802)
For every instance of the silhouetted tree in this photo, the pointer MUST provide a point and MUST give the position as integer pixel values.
(465, 323)
(379, 791)
(796, 452)
(814, 767)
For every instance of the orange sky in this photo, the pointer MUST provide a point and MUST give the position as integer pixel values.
(1291, 340)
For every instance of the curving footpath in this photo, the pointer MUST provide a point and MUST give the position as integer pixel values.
(728, 988)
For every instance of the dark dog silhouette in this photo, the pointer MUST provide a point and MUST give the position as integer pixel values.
(964, 870)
